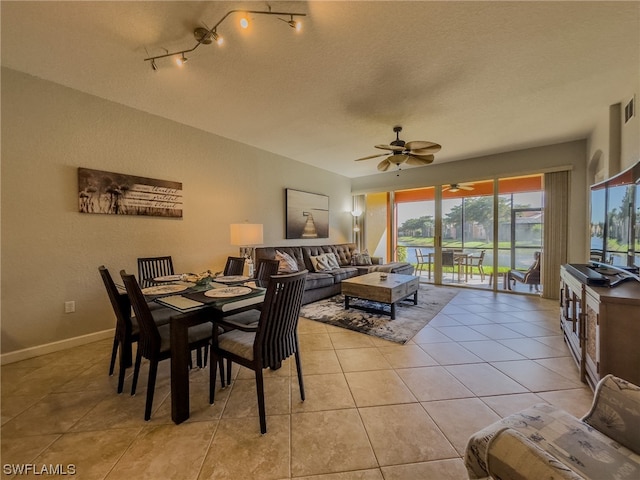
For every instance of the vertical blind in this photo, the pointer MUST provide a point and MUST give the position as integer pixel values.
(556, 225)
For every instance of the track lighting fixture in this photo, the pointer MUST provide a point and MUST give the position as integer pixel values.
(207, 36)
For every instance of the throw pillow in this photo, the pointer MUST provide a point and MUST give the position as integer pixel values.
(320, 263)
(333, 260)
(288, 264)
(362, 258)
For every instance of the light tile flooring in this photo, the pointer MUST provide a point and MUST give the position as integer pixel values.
(374, 409)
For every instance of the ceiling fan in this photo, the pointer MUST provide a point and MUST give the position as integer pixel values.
(456, 187)
(412, 153)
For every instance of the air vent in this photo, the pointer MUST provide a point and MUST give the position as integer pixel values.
(629, 110)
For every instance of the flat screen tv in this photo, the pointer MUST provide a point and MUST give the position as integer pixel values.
(615, 219)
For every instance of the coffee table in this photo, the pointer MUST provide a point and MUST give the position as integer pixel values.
(373, 286)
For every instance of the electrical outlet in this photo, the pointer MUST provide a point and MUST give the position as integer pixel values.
(69, 307)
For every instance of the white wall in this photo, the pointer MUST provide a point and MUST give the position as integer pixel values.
(50, 252)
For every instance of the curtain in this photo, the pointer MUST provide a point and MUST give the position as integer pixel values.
(556, 221)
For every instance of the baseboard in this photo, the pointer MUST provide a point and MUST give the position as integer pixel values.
(32, 352)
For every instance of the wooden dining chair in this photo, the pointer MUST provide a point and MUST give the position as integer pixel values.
(154, 342)
(265, 269)
(234, 266)
(126, 327)
(152, 267)
(267, 344)
(127, 331)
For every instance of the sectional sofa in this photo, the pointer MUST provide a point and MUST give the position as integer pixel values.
(326, 283)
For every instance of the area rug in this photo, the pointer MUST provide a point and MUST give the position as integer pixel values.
(409, 319)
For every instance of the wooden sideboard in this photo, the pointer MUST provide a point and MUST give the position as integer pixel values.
(601, 326)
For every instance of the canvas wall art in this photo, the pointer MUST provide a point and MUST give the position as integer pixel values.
(120, 194)
(307, 214)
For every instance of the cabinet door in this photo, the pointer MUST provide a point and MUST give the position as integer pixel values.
(592, 339)
(572, 318)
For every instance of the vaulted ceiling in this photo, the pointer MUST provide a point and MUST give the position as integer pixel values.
(476, 77)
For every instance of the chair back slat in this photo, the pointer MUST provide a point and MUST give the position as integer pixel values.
(265, 269)
(149, 341)
(277, 337)
(234, 266)
(120, 304)
(151, 267)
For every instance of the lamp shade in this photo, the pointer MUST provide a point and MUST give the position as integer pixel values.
(246, 234)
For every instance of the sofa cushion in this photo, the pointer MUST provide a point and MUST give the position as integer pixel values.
(344, 252)
(343, 273)
(318, 280)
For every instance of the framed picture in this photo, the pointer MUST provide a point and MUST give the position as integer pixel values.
(307, 214)
(121, 194)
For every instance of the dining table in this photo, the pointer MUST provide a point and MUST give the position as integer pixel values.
(460, 259)
(196, 304)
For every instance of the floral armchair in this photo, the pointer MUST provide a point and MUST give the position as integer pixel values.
(544, 442)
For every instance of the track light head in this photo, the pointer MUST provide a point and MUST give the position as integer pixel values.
(297, 26)
(217, 38)
(244, 22)
(181, 60)
(154, 67)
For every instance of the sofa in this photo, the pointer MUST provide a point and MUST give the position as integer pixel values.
(545, 442)
(324, 284)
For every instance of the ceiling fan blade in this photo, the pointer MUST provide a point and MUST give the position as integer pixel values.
(420, 159)
(384, 165)
(426, 151)
(371, 156)
(422, 145)
(465, 187)
(393, 148)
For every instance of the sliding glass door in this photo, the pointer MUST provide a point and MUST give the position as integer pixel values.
(469, 234)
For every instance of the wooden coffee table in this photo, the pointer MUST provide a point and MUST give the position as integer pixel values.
(372, 287)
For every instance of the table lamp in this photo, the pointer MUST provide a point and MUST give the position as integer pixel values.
(245, 236)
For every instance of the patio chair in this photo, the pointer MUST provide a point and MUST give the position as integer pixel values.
(448, 260)
(267, 344)
(529, 277)
(476, 261)
(422, 260)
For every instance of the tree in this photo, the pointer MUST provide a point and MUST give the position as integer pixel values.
(418, 227)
